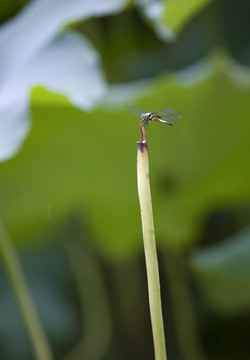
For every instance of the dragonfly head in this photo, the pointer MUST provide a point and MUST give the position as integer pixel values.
(145, 116)
(145, 119)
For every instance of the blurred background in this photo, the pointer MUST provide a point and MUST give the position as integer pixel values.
(68, 191)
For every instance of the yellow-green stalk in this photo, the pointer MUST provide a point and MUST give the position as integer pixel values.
(35, 331)
(150, 247)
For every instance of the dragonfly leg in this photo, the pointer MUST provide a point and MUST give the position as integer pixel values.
(145, 123)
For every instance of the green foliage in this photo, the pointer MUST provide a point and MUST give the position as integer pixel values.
(61, 61)
(179, 12)
(195, 166)
(222, 273)
(75, 161)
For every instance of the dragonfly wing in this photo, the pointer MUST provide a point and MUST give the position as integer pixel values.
(164, 111)
(171, 117)
(136, 111)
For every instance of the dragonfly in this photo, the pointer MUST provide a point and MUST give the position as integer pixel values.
(160, 116)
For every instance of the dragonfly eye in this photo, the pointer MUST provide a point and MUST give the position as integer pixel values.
(142, 116)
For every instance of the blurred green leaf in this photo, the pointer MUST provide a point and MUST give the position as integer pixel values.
(62, 62)
(152, 11)
(179, 12)
(46, 19)
(222, 273)
(68, 65)
(9, 8)
(88, 161)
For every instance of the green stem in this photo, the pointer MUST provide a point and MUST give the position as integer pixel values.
(183, 310)
(37, 336)
(150, 249)
(93, 296)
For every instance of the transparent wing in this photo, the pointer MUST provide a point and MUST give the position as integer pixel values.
(170, 117)
(164, 111)
(136, 111)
